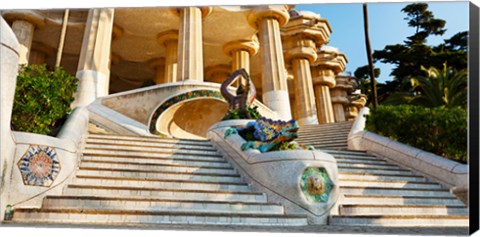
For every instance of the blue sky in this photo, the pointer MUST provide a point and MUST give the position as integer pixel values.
(386, 26)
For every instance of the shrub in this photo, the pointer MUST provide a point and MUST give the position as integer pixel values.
(42, 99)
(236, 113)
(438, 130)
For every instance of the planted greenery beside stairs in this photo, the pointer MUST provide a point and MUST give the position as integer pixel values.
(440, 130)
(42, 99)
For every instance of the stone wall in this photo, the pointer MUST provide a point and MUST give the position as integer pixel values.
(8, 76)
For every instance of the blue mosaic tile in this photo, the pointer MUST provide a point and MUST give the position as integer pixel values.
(39, 166)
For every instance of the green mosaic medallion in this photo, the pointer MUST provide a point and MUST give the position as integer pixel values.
(316, 185)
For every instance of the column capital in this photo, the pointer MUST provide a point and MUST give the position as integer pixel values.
(30, 16)
(331, 58)
(343, 82)
(206, 11)
(278, 12)
(251, 46)
(296, 47)
(169, 35)
(308, 26)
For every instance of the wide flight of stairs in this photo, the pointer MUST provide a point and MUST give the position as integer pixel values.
(138, 181)
(143, 181)
(379, 193)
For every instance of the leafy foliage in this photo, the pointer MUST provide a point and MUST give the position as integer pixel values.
(445, 87)
(42, 98)
(235, 113)
(409, 57)
(439, 130)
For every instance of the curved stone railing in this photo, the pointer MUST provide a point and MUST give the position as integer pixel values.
(447, 172)
(283, 175)
(165, 109)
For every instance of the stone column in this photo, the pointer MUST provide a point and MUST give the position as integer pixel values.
(324, 70)
(40, 52)
(218, 73)
(301, 36)
(158, 64)
(169, 39)
(339, 95)
(190, 48)
(24, 23)
(241, 51)
(93, 67)
(268, 20)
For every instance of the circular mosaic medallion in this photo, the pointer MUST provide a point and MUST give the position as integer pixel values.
(39, 166)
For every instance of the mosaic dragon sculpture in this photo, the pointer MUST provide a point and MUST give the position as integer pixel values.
(267, 134)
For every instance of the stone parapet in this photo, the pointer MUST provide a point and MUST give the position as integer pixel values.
(447, 172)
(286, 169)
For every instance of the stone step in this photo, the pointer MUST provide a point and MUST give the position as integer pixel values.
(401, 210)
(361, 161)
(175, 194)
(322, 143)
(389, 184)
(149, 167)
(400, 221)
(150, 139)
(366, 177)
(139, 154)
(136, 218)
(388, 191)
(141, 163)
(96, 141)
(154, 150)
(323, 133)
(400, 200)
(349, 153)
(158, 205)
(161, 183)
(339, 147)
(373, 171)
(370, 166)
(139, 174)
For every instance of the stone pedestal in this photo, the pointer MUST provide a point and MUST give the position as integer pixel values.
(93, 67)
(302, 35)
(329, 63)
(24, 23)
(268, 20)
(169, 40)
(190, 50)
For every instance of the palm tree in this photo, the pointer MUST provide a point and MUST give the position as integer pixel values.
(369, 56)
(445, 87)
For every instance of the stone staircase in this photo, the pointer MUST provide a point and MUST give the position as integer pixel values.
(144, 181)
(378, 193)
(141, 181)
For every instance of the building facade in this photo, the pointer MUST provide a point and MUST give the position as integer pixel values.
(115, 50)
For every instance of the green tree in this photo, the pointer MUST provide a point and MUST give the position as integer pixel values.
(439, 88)
(42, 98)
(409, 57)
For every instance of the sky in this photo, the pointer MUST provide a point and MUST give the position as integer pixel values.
(386, 26)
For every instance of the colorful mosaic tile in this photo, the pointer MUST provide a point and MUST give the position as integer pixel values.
(39, 166)
(180, 98)
(316, 185)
